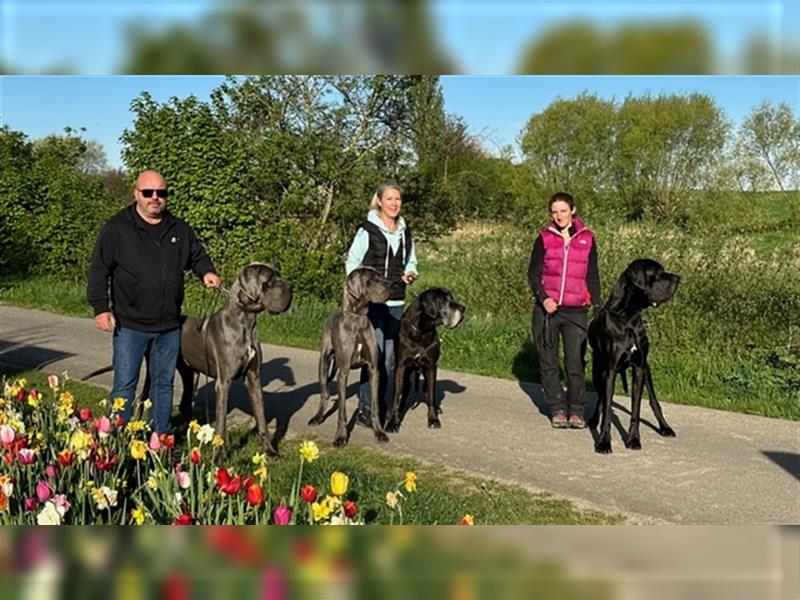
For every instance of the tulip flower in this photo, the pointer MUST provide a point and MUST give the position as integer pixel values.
(282, 515)
(184, 519)
(350, 508)
(52, 381)
(29, 504)
(226, 483)
(7, 434)
(51, 470)
(103, 426)
(85, 414)
(26, 456)
(43, 491)
(195, 456)
(255, 495)
(184, 480)
(467, 519)
(138, 449)
(155, 442)
(65, 458)
(308, 493)
(339, 483)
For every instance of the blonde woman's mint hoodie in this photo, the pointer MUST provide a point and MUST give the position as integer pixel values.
(358, 249)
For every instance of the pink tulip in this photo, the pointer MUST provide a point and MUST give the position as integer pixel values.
(62, 505)
(43, 491)
(184, 481)
(103, 426)
(29, 503)
(52, 381)
(7, 434)
(51, 470)
(155, 442)
(26, 456)
(282, 515)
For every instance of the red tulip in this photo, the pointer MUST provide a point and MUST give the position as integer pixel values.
(184, 519)
(227, 484)
(195, 456)
(85, 414)
(255, 495)
(168, 440)
(350, 508)
(308, 493)
(65, 458)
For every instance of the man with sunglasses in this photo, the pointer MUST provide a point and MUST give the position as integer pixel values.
(135, 286)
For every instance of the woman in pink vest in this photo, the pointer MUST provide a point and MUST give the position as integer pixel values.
(565, 281)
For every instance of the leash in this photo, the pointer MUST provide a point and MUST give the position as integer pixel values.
(548, 341)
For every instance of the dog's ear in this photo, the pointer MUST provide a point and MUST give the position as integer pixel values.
(620, 290)
(431, 305)
(249, 293)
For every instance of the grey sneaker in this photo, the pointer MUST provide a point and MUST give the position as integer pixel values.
(559, 419)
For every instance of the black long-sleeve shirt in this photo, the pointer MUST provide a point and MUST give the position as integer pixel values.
(537, 263)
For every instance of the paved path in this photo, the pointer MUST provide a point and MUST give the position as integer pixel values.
(722, 468)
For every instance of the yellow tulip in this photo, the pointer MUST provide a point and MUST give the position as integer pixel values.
(339, 483)
(138, 449)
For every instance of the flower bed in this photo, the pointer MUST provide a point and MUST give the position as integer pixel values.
(65, 465)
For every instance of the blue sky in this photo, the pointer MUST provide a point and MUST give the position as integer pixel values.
(495, 108)
(481, 36)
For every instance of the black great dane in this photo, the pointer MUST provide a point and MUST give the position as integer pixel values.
(618, 339)
(417, 348)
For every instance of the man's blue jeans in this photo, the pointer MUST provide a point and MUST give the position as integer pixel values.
(386, 322)
(130, 347)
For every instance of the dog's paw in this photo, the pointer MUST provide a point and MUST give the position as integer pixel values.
(434, 423)
(381, 437)
(340, 441)
(603, 447)
(393, 426)
(315, 420)
(633, 444)
(666, 431)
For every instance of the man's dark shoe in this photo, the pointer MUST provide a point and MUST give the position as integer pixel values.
(577, 422)
(364, 418)
(559, 419)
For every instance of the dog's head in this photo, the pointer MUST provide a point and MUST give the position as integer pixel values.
(644, 283)
(365, 285)
(439, 305)
(259, 287)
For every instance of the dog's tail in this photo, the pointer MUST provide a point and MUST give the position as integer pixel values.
(97, 372)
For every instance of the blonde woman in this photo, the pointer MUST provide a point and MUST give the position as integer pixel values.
(384, 242)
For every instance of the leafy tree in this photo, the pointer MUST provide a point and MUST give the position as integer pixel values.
(580, 47)
(770, 135)
(665, 146)
(569, 146)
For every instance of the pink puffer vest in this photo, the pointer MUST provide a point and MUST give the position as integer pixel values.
(566, 264)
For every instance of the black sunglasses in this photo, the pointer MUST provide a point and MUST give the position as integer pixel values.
(161, 193)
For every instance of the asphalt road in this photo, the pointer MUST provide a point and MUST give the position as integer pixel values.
(723, 468)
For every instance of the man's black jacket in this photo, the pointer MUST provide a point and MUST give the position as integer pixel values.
(145, 266)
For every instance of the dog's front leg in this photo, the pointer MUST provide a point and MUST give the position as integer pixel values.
(374, 381)
(663, 428)
(634, 441)
(430, 393)
(341, 427)
(603, 444)
(221, 390)
(252, 381)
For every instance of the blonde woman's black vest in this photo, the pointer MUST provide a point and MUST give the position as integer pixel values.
(391, 265)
